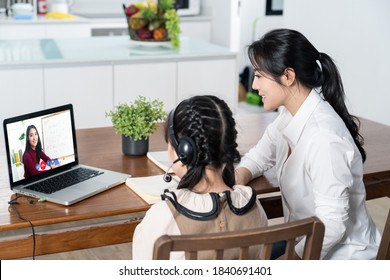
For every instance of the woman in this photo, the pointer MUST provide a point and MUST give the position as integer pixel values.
(33, 153)
(314, 144)
(201, 137)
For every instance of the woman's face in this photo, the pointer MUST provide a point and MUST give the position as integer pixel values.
(271, 92)
(33, 138)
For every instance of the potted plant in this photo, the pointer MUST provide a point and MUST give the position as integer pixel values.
(136, 121)
(153, 21)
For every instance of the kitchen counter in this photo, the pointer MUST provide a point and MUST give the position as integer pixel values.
(87, 25)
(118, 49)
(97, 73)
(87, 18)
(37, 20)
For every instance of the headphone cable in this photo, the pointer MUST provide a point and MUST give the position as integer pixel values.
(12, 204)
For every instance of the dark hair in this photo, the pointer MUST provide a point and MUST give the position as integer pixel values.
(38, 149)
(284, 48)
(209, 122)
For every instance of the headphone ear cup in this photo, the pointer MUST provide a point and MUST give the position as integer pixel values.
(186, 150)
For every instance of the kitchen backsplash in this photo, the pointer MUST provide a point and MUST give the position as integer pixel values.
(99, 6)
(103, 6)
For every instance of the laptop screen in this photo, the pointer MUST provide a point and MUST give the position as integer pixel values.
(40, 144)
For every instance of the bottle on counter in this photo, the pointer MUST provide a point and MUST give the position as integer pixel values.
(42, 9)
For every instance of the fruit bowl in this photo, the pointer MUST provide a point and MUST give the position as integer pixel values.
(139, 30)
(151, 23)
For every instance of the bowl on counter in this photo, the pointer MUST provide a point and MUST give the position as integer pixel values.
(22, 11)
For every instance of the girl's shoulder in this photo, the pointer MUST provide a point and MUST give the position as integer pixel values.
(205, 206)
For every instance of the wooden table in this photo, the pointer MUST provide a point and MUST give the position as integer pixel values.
(110, 217)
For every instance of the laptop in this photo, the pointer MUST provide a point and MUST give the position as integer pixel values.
(41, 149)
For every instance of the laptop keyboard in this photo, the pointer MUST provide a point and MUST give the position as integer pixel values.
(64, 180)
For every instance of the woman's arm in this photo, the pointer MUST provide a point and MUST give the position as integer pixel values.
(243, 176)
(44, 157)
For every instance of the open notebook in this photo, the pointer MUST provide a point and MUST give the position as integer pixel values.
(160, 158)
(150, 188)
(41, 176)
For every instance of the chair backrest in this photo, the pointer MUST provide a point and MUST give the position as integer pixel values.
(384, 246)
(312, 228)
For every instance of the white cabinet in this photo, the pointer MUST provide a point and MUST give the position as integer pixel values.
(88, 88)
(96, 74)
(216, 77)
(21, 31)
(152, 80)
(41, 28)
(67, 30)
(94, 89)
(21, 91)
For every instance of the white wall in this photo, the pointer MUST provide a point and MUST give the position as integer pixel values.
(225, 22)
(254, 23)
(356, 34)
(99, 6)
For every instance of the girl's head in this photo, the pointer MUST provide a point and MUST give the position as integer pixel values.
(201, 131)
(33, 141)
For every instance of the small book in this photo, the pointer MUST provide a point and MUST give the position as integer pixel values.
(161, 159)
(150, 188)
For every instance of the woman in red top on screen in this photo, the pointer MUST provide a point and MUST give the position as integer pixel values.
(33, 154)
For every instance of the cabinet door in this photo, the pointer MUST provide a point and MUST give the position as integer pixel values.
(88, 88)
(22, 31)
(216, 77)
(81, 30)
(152, 80)
(21, 93)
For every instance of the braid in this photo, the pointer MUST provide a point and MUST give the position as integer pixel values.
(198, 133)
(209, 122)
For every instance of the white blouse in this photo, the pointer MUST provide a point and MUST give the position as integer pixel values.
(322, 176)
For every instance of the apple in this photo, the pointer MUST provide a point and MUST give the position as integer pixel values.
(131, 10)
(144, 33)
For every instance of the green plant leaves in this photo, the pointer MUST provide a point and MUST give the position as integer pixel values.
(137, 119)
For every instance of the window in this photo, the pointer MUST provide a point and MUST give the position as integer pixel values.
(274, 8)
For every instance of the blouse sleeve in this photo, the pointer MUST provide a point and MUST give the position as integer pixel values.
(44, 157)
(262, 156)
(157, 222)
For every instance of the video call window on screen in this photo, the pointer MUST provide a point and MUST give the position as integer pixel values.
(51, 133)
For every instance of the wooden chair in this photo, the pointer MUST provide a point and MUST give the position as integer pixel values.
(384, 246)
(312, 228)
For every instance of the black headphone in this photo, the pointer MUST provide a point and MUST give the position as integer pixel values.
(185, 147)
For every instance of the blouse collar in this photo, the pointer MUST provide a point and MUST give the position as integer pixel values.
(294, 129)
(240, 199)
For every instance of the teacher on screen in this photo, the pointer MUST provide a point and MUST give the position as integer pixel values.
(33, 154)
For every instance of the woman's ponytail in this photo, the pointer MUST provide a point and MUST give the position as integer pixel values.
(333, 92)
